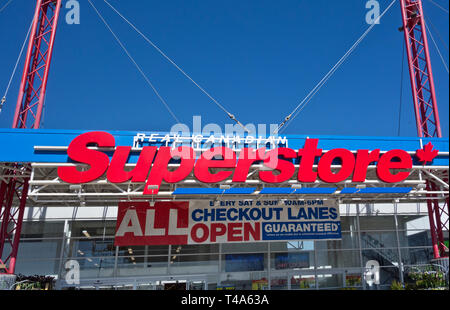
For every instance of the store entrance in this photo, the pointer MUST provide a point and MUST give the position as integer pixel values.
(173, 283)
(184, 285)
(147, 283)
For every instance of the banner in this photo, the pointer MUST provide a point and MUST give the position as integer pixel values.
(205, 222)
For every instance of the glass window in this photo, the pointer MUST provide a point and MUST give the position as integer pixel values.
(349, 241)
(33, 267)
(139, 266)
(279, 282)
(37, 254)
(414, 238)
(92, 229)
(42, 230)
(292, 246)
(95, 267)
(255, 280)
(194, 264)
(330, 280)
(387, 275)
(417, 255)
(338, 259)
(244, 247)
(303, 282)
(383, 239)
(413, 222)
(244, 262)
(91, 247)
(385, 257)
(348, 223)
(292, 260)
(39, 249)
(148, 250)
(367, 223)
(195, 249)
(135, 251)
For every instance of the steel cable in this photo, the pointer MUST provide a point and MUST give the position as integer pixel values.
(230, 115)
(135, 63)
(3, 100)
(283, 125)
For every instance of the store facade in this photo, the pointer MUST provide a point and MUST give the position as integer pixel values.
(396, 236)
(70, 228)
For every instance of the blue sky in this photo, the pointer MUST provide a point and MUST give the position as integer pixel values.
(257, 58)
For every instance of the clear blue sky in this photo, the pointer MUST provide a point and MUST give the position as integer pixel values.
(257, 58)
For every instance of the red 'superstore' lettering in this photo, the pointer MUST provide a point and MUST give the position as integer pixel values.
(152, 166)
(79, 152)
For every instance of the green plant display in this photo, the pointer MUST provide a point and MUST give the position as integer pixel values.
(397, 286)
(34, 283)
(426, 278)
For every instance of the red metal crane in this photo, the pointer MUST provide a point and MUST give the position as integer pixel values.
(425, 105)
(30, 104)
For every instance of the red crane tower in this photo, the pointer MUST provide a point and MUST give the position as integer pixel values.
(425, 105)
(30, 104)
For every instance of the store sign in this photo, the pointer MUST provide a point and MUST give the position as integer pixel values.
(152, 167)
(203, 142)
(206, 222)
